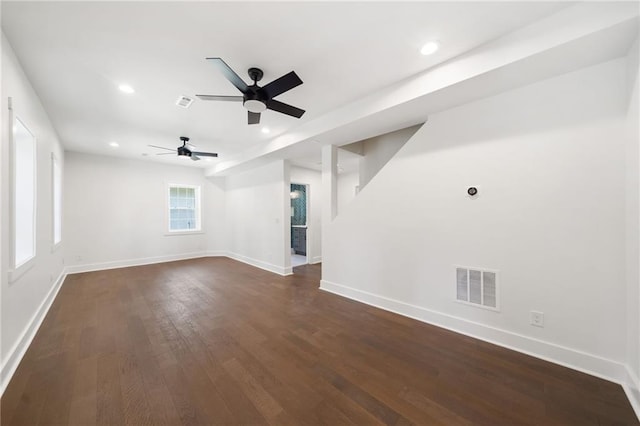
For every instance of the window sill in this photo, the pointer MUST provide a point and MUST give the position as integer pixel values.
(168, 234)
(16, 274)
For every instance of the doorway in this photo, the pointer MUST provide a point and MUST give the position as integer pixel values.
(299, 225)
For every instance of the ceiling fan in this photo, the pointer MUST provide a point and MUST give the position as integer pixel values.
(184, 151)
(257, 99)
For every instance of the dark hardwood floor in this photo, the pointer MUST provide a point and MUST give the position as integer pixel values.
(214, 341)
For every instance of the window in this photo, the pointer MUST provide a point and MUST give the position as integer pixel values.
(56, 191)
(184, 208)
(24, 194)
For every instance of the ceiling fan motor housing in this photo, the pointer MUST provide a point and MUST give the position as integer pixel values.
(183, 150)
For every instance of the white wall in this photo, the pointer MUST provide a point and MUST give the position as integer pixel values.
(377, 151)
(116, 209)
(258, 216)
(549, 161)
(347, 183)
(313, 178)
(215, 215)
(633, 221)
(23, 299)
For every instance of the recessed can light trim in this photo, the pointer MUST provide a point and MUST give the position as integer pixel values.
(430, 48)
(125, 88)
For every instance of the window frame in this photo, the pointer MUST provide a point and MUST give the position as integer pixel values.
(198, 210)
(18, 269)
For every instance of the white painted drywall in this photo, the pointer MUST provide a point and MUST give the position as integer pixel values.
(347, 183)
(214, 213)
(549, 162)
(313, 179)
(259, 216)
(21, 299)
(633, 219)
(377, 151)
(115, 211)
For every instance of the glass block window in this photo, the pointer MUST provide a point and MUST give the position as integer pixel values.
(184, 208)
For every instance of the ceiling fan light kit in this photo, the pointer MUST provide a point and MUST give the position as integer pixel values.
(254, 98)
(254, 105)
(184, 151)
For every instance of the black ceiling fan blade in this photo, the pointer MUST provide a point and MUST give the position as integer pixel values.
(162, 147)
(220, 98)
(281, 85)
(194, 157)
(205, 154)
(229, 74)
(254, 117)
(285, 108)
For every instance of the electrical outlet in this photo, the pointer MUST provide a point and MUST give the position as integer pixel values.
(537, 318)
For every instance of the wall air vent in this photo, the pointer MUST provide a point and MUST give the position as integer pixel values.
(184, 101)
(477, 287)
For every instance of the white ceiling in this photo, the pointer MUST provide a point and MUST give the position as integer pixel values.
(77, 53)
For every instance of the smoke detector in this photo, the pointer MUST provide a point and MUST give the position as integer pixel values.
(184, 101)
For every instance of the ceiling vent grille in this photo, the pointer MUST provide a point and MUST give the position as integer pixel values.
(184, 101)
(477, 287)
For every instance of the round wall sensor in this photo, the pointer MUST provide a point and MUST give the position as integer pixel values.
(472, 191)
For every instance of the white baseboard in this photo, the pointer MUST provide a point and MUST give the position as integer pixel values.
(632, 389)
(261, 264)
(587, 363)
(91, 267)
(20, 348)
(316, 259)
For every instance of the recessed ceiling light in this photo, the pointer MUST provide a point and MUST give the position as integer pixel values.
(429, 48)
(265, 130)
(126, 88)
(114, 144)
(209, 159)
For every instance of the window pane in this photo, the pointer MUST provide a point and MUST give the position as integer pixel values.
(183, 202)
(57, 201)
(24, 190)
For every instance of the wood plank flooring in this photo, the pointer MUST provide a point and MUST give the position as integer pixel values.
(214, 341)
